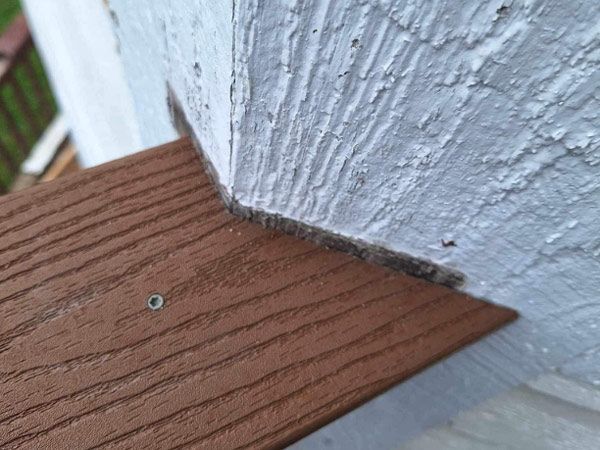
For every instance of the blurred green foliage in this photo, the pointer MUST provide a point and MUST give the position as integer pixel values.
(8, 11)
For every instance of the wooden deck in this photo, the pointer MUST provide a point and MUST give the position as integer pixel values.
(263, 337)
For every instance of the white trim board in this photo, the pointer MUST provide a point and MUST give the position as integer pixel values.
(45, 148)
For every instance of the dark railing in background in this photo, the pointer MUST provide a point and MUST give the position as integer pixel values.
(26, 102)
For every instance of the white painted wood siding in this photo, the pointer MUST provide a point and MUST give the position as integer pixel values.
(551, 413)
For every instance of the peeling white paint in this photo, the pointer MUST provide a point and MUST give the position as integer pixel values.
(187, 45)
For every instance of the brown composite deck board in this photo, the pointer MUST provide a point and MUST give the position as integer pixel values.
(263, 339)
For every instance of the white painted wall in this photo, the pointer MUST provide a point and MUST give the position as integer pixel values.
(186, 44)
(406, 122)
(403, 123)
(79, 51)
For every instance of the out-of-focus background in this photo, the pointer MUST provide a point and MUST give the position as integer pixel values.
(8, 10)
(27, 106)
(80, 112)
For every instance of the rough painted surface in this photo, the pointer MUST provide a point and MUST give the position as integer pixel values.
(408, 123)
(79, 51)
(184, 44)
(404, 124)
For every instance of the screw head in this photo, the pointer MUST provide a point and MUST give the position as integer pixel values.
(156, 302)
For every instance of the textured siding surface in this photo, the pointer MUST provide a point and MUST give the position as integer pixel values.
(407, 123)
(551, 413)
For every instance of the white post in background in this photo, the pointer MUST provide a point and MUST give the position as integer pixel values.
(80, 54)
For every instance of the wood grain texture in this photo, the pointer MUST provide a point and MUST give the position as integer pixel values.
(264, 337)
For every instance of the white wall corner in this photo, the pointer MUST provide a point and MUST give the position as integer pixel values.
(181, 50)
(406, 125)
(410, 124)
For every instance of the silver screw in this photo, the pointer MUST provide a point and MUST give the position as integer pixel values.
(156, 302)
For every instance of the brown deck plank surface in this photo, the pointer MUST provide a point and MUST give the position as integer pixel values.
(264, 337)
